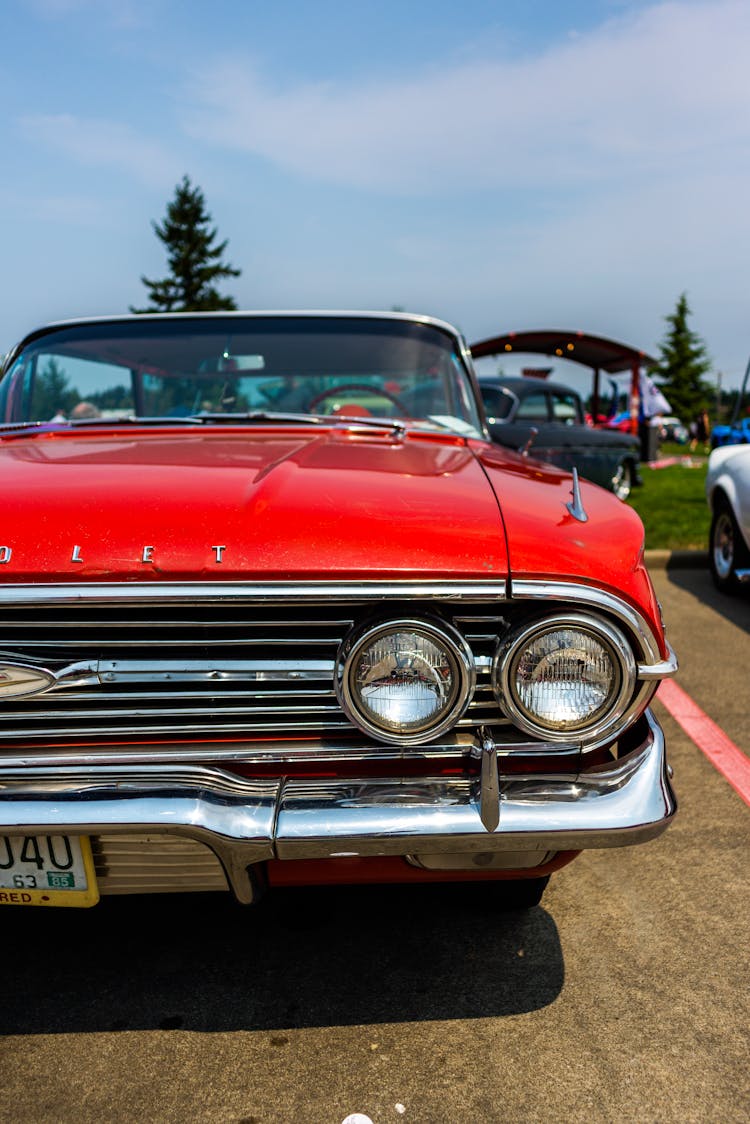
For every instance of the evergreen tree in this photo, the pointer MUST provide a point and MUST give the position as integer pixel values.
(53, 393)
(193, 257)
(683, 362)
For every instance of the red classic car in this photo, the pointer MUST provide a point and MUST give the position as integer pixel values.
(274, 611)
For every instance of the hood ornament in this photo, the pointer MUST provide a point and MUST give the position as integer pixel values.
(533, 434)
(575, 504)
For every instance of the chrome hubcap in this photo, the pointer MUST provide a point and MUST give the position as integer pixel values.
(724, 546)
(621, 483)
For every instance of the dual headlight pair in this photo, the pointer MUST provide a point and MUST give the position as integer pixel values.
(408, 681)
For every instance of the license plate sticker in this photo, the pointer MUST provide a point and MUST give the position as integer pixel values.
(47, 870)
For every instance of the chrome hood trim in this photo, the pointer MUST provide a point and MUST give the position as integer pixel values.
(651, 666)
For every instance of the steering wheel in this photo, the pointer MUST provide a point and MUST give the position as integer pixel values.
(360, 388)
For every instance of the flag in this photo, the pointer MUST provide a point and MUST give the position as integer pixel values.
(652, 402)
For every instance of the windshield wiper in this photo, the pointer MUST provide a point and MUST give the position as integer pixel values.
(11, 427)
(396, 425)
(333, 420)
(259, 416)
(87, 423)
(90, 423)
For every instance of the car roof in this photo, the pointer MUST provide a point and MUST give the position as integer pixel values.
(361, 314)
(522, 386)
(240, 314)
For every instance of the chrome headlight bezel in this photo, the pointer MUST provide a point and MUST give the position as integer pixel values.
(612, 639)
(438, 632)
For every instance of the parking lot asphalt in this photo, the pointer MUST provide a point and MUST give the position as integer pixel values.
(623, 997)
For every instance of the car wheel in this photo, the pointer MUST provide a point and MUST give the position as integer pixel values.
(727, 549)
(521, 893)
(622, 481)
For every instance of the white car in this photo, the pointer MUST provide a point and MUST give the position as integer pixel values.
(672, 429)
(728, 493)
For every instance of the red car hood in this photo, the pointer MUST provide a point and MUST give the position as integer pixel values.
(236, 503)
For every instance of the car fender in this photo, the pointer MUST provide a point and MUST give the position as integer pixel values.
(729, 473)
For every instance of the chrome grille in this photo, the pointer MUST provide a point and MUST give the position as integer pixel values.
(197, 670)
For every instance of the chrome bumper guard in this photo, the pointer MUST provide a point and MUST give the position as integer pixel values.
(247, 821)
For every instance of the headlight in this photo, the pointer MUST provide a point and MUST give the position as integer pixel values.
(566, 676)
(405, 681)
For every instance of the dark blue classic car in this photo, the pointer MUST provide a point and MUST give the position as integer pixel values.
(547, 420)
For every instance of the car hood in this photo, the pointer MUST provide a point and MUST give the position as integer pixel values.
(545, 541)
(244, 503)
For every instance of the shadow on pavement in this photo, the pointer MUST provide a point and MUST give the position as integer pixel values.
(303, 958)
(698, 582)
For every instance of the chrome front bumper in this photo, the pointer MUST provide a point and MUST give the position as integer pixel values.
(248, 821)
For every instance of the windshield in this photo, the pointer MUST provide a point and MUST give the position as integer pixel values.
(336, 366)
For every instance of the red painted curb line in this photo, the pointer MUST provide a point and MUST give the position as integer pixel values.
(720, 750)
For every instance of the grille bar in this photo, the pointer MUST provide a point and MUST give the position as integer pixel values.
(224, 642)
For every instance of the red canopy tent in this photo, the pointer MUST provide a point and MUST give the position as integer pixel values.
(596, 352)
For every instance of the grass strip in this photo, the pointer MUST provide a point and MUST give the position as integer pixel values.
(672, 505)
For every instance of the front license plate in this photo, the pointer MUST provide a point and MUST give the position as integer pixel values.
(47, 870)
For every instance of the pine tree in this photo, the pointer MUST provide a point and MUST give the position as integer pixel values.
(194, 259)
(53, 394)
(683, 361)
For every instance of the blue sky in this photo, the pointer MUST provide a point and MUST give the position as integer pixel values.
(506, 165)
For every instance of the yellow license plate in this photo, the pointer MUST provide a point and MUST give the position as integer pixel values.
(47, 870)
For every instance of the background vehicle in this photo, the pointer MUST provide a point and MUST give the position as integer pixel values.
(672, 429)
(736, 433)
(516, 407)
(275, 611)
(738, 430)
(728, 493)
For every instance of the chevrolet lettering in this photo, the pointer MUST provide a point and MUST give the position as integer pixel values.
(146, 552)
(274, 611)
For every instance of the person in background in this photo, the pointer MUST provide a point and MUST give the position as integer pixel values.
(699, 431)
(84, 410)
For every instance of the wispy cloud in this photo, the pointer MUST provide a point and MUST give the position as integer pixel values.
(70, 209)
(122, 14)
(662, 88)
(106, 144)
